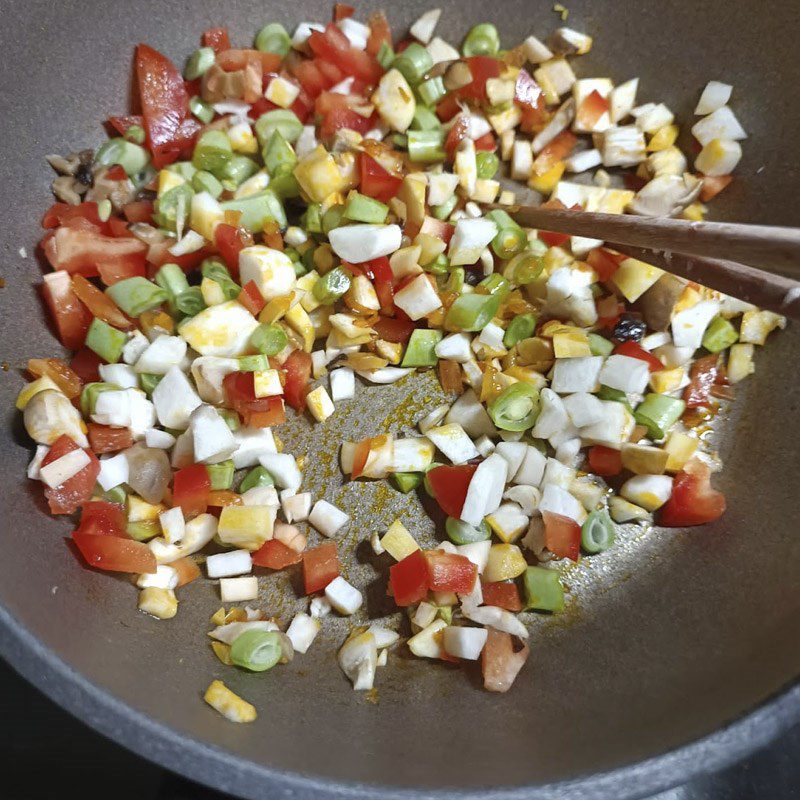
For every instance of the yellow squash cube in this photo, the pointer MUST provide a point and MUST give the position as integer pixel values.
(398, 542)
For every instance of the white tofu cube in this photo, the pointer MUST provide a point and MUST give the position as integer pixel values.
(344, 597)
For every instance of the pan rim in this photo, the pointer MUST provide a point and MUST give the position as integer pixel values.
(224, 771)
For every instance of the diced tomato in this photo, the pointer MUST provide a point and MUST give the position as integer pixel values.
(343, 118)
(482, 68)
(635, 350)
(448, 107)
(604, 263)
(99, 303)
(73, 493)
(331, 74)
(257, 412)
(251, 298)
(450, 485)
(562, 535)
(320, 567)
(187, 570)
(593, 106)
(528, 95)
(115, 173)
(693, 501)
(67, 380)
(334, 47)
(486, 143)
(138, 211)
(102, 519)
(342, 11)
(394, 329)
(217, 39)
(609, 310)
(298, 375)
(360, 456)
(190, 489)
(276, 555)
(158, 255)
(554, 152)
(230, 241)
(703, 375)
(91, 253)
(503, 594)
(85, 364)
(382, 277)
(450, 572)
(713, 185)
(408, 579)
(457, 133)
(114, 554)
(118, 227)
(105, 439)
(165, 106)
(500, 662)
(310, 77)
(235, 60)
(376, 181)
(604, 461)
(70, 316)
(220, 498)
(62, 213)
(553, 239)
(379, 32)
(438, 228)
(122, 123)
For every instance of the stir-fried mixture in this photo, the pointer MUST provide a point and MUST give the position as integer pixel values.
(282, 221)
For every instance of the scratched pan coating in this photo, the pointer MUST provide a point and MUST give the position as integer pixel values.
(679, 650)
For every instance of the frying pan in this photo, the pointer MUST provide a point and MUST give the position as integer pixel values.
(679, 649)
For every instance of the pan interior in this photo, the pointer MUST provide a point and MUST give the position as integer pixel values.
(667, 637)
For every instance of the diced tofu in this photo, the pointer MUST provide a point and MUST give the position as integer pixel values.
(344, 597)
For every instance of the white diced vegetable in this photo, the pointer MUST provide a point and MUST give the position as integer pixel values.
(164, 353)
(36, 462)
(174, 400)
(440, 51)
(208, 373)
(652, 117)
(225, 565)
(319, 403)
(689, 325)
(583, 409)
(557, 474)
(536, 52)
(356, 32)
(485, 490)
(526, 497)
(718, 157)
(452, 440)
(494, 617)
(552, 415)
(485, 446)
(121, 375)
(558, 500)
(441, 187)
(319, 607)
(412, 454)
(173, 525)
(466, 643)
(327, 519)
(283, 468)
(303, 31)
(622, 100)
(432, 418)
(720, 124)
(62, 469)
(623, 147)
(625, 373)
(583, 160)
(302, 631)
(358, 659)
(212, 439)
(455, 347)
(613, 429)
(271, 270)
(471, 414)
(426, 643)
(648, 491)
(236, 590)
(114, 471)
(165, 577)
(714, 96)
(344, 597)
(136, 345)
(471, 236)
(422, 30)
(531, 470)
(158, 439)
(394, 100)
(343, 384)
(419, 298)
(251, 444)
(560, 122)
(521, 160)
(576, 374)
(296, 507)
(514, 455)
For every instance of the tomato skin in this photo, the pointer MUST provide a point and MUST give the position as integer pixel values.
(487, 143)
(376, 181)
(450, 572)
(604, 461)
(604, 263)
(100, 304)
(394, 329)
(102, 518)
(276, 555)
(562, 536)
(91, 253)
(713, 185)
(409, 579)
(217, 39)
(105, 439)
(450, 485)
(257, 412)
(553, 239)
(703, 374)
(61, 213)
(334, 47)
(593, 107)
(503, 594)
(73, 493)
(70, 317)
(310, 77)
(121, 123)
(251, 298)
(379, 32)
(635, 350)
(85, 365)
(190, 489)
(165, 106)
(138, 211)
(340, 118)
(114, 554)
(320, 567)
(500, 665)
(482, 68)
(554, 152)
(298, 375)
(693, 501)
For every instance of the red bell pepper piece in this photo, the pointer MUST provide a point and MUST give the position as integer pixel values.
(503, 594)
(190, 489)
(298, 376)
(251, 298)
(604, 461)
(450, 572)
(320, 567)
(85, 364)
(693, 501)
(635, 350)
(102, 519)
(105, 439)
(450, 485)
(70, 316)
(409, 579)
(376, 180)
(114, 554)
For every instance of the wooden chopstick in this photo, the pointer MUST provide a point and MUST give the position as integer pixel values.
(763, 246)
(764, 289)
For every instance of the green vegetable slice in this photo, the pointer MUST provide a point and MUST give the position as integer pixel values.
(256, 650)
(515, 408)
(597, 532)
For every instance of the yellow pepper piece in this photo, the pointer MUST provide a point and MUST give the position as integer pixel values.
(663, 138)
(546, 183)
(230, 705)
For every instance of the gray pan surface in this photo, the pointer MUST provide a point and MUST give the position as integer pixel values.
(669, 638)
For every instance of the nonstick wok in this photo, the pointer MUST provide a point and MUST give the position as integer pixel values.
(680, 649)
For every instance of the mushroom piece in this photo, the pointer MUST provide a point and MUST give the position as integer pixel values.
(659, 300)
(666, 195)
(119, 192)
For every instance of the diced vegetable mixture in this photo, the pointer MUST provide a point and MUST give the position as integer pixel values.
(281, 222)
